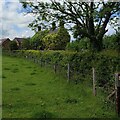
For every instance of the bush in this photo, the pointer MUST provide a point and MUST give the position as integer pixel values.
(79, 45)
(57, 40)
(112, 42)
(13, 45)
(81, 64)
(37, 40)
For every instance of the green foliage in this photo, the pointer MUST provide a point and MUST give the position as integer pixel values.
(53, 26)
(106, 67)
(64, 38)
(112, 42)
(81, 64)
(79, 45)
(90, 19)
(26, 44)
(50, 41)
(13, 45)
(58, 40)
(37, 40)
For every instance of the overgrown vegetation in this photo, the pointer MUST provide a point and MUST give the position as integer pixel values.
(13, 45)
(37, 42)
(111, 42)
(81, 64)
(57, 40)
(79, 45)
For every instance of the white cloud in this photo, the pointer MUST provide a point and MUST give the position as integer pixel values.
(110, 30)
(14, 23)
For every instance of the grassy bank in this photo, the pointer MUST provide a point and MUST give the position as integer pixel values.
(30, 91)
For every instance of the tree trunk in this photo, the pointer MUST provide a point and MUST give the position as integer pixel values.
(96, 44)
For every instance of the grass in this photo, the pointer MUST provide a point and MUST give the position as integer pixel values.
(30, 91)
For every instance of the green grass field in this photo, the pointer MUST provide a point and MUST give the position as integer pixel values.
(30, 91)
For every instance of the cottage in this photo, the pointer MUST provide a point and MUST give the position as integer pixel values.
(18, 41)
(4, 43)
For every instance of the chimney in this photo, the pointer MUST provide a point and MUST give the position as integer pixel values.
(39, 28)
(53, 26)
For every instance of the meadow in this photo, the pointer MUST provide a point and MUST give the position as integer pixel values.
(31, 91)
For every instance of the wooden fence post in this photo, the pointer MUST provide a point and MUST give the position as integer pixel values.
(46, 63)
(55, 67)
(68, 73)
(94, 82)
(40, 62)
(34, 59)
(117, 89)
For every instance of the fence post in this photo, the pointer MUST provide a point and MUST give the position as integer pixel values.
(94, 82)
(68, 73)
(41, 62)
(55, 67)
(34, 59)
(117, 89)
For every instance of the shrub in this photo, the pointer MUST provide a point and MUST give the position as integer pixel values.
(81, 64)
(79, 45)
(57, 40)
(112, 42)
(37, 40)
(13, 45)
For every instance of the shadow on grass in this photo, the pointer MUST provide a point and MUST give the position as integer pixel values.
(6, 68)
(3, 76)
(71, 100)
(15, 70)
(33, 73)
(28, 67)
(14, 65)
(15, 89)
(30, 84)
(44, 114)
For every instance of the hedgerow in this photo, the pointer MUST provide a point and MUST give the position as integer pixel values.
(81, 64)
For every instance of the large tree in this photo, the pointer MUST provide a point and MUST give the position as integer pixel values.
(57, 40)
(89, 18)
(36, 40)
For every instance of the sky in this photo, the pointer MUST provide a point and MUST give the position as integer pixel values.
(14, 23)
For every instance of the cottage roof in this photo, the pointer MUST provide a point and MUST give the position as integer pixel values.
(18, 39)
(3, 40)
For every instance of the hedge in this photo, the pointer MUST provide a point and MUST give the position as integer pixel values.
(81, 64)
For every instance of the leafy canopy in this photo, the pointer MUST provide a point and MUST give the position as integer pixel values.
(58, 40)
(90, 18)
(37, 40)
